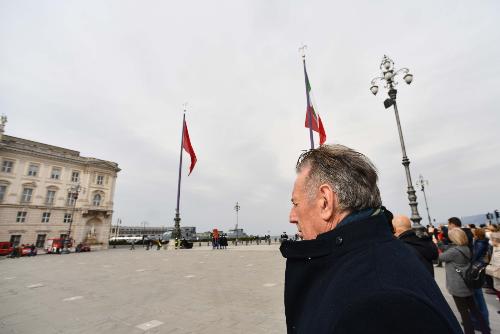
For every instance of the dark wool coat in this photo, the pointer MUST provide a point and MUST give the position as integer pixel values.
(358, 278)
(425, 248)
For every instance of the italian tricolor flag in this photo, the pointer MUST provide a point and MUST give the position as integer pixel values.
(313, 120)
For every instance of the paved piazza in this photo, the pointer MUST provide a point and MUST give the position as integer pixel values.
(238, 290)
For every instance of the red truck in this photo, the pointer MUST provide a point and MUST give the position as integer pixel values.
(56, 245)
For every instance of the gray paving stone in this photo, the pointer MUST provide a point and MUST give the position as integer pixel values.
(238, 290)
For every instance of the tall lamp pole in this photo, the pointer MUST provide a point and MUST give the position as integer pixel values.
(118, 223)
(143, 224)
(73, 196)
(237, 208)
(422, 183)
(388, 78)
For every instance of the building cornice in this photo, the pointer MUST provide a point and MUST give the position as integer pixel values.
(40, 150)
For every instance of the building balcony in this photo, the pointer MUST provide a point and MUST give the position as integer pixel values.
(90, 210)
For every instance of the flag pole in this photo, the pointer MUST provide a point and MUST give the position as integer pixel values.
(177, 227)
(309, 109)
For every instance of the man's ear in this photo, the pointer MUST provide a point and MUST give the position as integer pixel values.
(328, 202)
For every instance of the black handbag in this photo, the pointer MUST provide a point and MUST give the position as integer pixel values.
(474, 275)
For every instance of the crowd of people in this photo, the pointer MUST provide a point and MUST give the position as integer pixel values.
(461, 248)
(219, 242)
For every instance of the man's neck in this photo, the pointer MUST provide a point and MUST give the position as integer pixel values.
(337, 219)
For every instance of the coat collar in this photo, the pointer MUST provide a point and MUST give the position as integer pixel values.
(340, 240)
(407, 234)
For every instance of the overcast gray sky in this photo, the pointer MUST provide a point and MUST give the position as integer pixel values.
(108, 78)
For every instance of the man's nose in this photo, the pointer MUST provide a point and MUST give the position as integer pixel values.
(293, 217)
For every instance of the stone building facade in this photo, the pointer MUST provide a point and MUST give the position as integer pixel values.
(38, 186)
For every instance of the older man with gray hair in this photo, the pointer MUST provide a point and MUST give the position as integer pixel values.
(350, 275)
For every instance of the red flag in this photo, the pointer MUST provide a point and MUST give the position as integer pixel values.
(186, 144)
(317, 124)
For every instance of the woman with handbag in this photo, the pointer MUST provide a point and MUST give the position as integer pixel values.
(457, 260)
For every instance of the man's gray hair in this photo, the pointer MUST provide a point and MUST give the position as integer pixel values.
(351, 175)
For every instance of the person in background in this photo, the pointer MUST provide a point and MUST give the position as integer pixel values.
(32, 250)
(493, 268)
(455, 222)
(480, 257)
(488, 286)
(425, 249)
(442, 242)
(457, 260)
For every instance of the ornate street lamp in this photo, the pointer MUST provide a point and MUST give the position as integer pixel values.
(73, 195)
(422, 183)
(237, 208)
(118, 223)
(388, 79)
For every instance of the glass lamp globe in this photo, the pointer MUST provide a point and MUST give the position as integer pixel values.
(408, 78)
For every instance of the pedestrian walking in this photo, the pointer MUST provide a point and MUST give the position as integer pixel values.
(132, 246)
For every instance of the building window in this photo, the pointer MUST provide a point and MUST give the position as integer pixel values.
(15, 240)
(71, 198)
(100, 179)
(67, 218)
(75, 176)
(40, 240)
(7, 166)
(97, 200)
(21, 216)
(3, 190)
(45, 217)
(56, 173)
(27, 194)
(51, 195)
(33, 170)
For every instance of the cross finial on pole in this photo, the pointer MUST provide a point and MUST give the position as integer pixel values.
(184, 106)
(302, 51)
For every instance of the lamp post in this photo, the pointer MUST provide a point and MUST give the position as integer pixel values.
(388, 78)
(118, 223)
(143, 224)
(422, 183)
(73, 196)
(237, 208)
